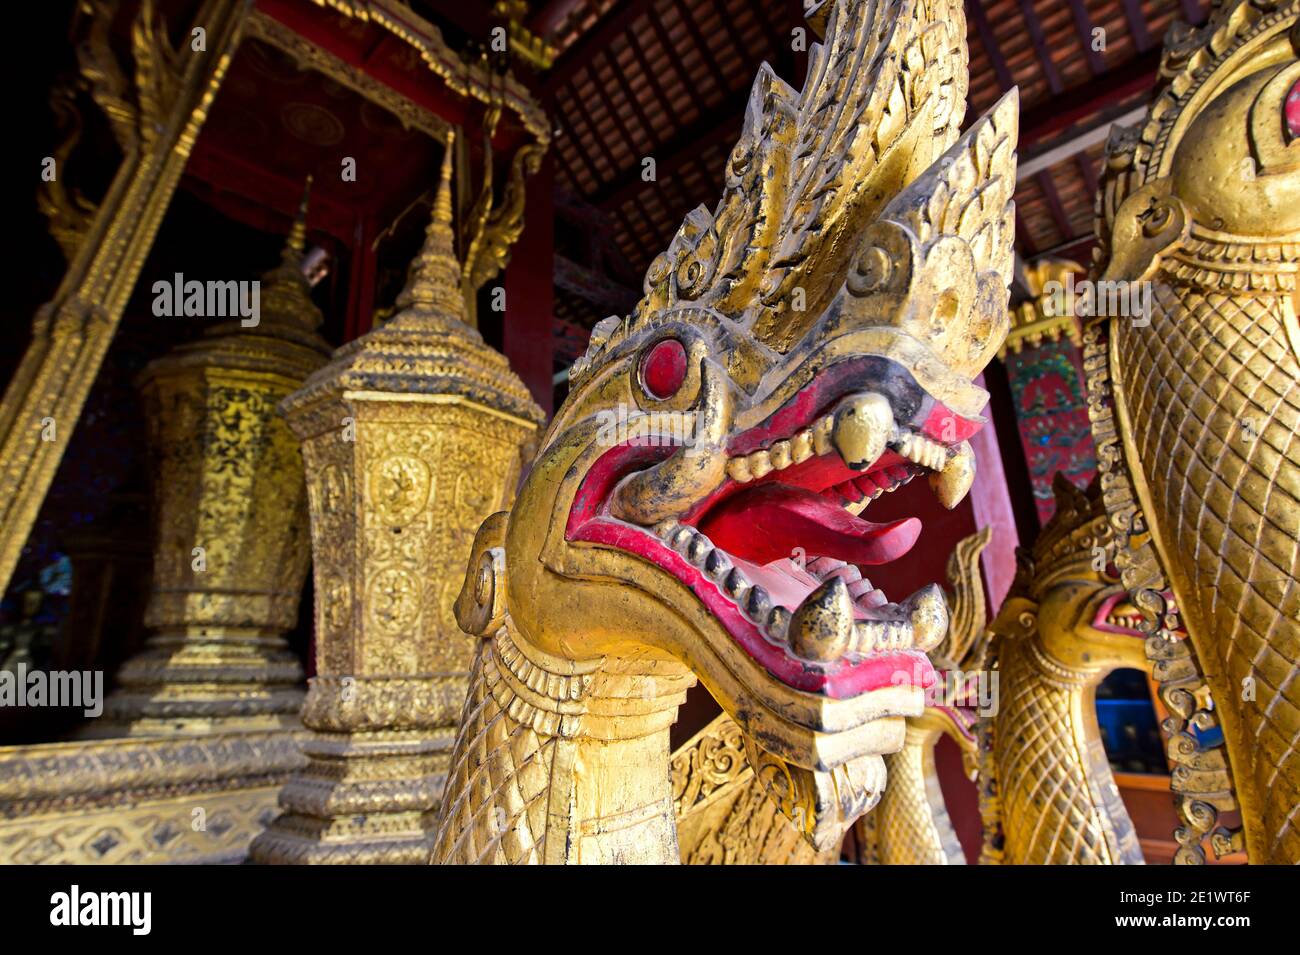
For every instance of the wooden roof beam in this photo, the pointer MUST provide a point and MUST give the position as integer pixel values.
(551, 16)
(1083, 26)
(709, 130)
(1023, 239)
(1039, 39)
(594, 136)
(613, 26)
(1137, 25)
(594, 287)
(1062, 112)
(638, 51)
(621, 79)
(702, 44)
(1034, 162)
(990, 43)
(1054, 205)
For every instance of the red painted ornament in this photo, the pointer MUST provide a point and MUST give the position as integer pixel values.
(1292, 110)
(664, 368)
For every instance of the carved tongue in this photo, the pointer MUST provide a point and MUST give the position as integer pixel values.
(768, 522)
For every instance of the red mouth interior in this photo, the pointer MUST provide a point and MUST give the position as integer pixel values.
(1112, 618)
(770, 522)
(788, 532)
(774, 526)
(776, 529)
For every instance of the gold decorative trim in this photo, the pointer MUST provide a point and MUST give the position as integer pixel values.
(1032, 323)
(472, 80)
(723, 813)
(71, 333)
(207, 828)
(86, 776)
(354, 704)
(526, 44)
(199, 799)
(269, 30)
(440, 400)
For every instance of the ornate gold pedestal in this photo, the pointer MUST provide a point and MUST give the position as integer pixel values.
(178, 799)
(211, 703)
(231, 547)
(411, 437)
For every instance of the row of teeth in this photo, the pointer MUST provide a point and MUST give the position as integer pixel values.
(859, 492)
(869, 636)
(860, 588)
(1126, 621)
(920, 449)
(813, 441)
(816, 441)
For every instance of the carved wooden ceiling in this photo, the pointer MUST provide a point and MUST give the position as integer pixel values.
(276, 122)
(669, 79)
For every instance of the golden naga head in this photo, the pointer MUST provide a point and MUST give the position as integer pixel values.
(1068, 592)
(1218, 155)
(805, 347)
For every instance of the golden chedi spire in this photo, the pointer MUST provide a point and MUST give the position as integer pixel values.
(428, 346)
(285, 291)
(433, 287)
(296, 244)
(411, 437)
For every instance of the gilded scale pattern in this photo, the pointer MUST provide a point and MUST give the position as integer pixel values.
(1197, 415)
(1063, 628)
(1047, 792)
(911, 825)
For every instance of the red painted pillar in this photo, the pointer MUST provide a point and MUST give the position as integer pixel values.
(529, 284)
(361, 282)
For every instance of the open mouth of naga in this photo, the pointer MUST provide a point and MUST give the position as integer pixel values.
(782, 551)
(1117, 614)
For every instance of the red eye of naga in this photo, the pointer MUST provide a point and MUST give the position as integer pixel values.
(664, 368)
(1293, 111)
